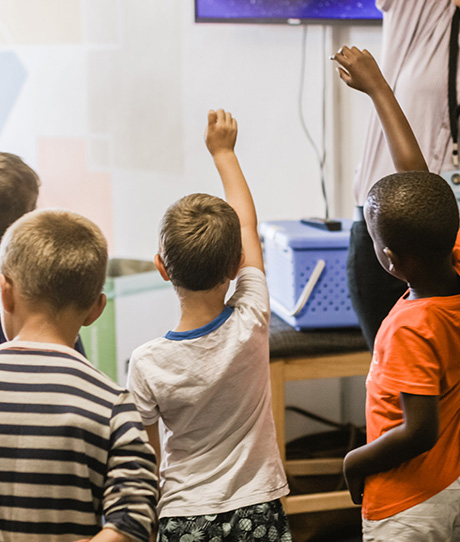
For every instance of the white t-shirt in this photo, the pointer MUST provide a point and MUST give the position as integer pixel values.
(211, 388)
(415, 57)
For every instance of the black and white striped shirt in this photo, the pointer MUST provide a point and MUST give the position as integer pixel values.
(73, 452)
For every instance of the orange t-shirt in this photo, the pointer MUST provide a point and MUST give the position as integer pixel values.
(417, 351)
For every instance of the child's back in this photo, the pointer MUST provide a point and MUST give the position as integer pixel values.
(208, 380)
(73, 451)
(212, 389)
(410, 468)
(65, 448)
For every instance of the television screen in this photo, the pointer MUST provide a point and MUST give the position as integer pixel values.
(287, 11)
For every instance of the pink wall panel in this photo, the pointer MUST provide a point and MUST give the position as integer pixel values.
(68, 183)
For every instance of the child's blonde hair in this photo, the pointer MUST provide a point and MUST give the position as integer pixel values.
(200, 242)
(56, 258)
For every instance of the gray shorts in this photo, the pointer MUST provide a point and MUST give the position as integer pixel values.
(435, 520)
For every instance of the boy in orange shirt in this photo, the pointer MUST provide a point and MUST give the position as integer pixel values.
(407, 476)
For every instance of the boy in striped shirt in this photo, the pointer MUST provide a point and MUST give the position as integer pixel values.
(74, 459)
(19, 188)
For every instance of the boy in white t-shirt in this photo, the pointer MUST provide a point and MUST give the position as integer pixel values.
(208, 380)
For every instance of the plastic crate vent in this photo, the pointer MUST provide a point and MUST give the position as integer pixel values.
(306, 274)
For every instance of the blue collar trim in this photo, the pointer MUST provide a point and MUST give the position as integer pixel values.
(201, 331)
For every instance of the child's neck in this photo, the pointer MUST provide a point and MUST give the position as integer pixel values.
(436, 281)
(200, 308)
(39, 327)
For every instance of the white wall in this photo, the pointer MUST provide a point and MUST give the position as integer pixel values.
(108, 99)
(254, 71)
(120, 89)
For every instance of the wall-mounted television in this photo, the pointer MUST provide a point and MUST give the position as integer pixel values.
(287, 11)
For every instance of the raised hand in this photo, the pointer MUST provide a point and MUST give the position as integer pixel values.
(359, 70)
(220, 132)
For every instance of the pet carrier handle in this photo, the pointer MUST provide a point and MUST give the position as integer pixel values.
(305, 295)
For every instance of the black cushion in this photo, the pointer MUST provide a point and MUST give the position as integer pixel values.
(285, 341)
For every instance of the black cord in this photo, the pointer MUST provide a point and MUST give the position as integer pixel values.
(321, 156)
(354, 434)
(316, 417)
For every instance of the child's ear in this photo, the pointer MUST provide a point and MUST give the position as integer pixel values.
(392, 259)
(6, 287)
(96, 310)
(160, 266)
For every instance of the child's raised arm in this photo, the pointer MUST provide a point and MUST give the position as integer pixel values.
(220, 139)
(360, 71)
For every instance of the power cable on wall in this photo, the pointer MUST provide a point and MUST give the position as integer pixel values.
(320, 153)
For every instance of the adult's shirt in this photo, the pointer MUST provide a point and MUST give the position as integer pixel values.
(414, 61)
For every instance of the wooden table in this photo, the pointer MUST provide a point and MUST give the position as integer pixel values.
(310, 355)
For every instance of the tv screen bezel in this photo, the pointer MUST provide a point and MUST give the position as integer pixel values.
(285, 21)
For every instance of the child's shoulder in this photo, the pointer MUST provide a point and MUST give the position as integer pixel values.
(75, 365)
(251, 279)
(252, 272)
(251, 291)
(151, 349)
(96, 377)
(425, 318)
(63, 366)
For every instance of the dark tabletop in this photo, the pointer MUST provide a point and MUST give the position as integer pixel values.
(285, 341)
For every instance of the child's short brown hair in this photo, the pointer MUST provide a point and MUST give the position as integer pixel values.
(200, 242)
(56, 258)
(19, 185)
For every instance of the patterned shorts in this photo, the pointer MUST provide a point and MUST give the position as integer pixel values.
(266, 522)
